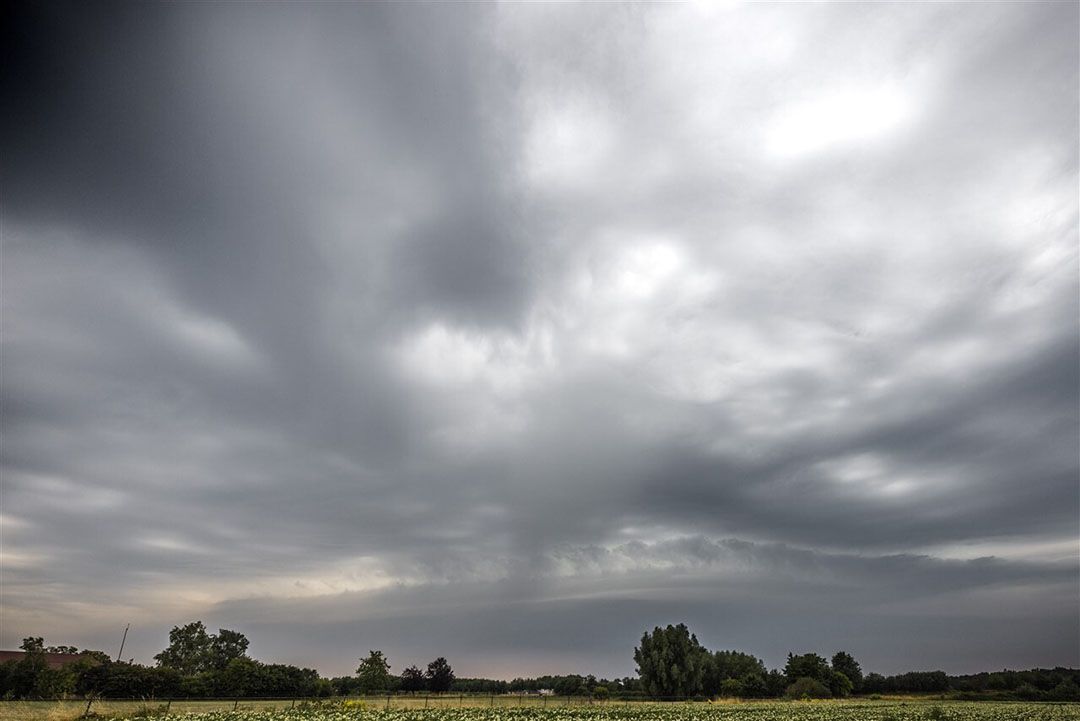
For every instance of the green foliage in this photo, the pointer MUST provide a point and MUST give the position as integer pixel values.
(33, 645)
(725, 665)
(601, 692)
(671, 662)
(846, 664)
(1067, 690)
(755, 685)
(807, 687)
(193, 651)
(62, 649)
(839, 685)
(439, 675)
(412, 680)
(731, 688)
(226, 647)
(374, 672)
(808, 665)
(239, 678)
(188, 651)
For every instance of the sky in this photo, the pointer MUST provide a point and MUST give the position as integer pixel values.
(506, 332)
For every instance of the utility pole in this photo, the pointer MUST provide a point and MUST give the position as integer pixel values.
(122, 642)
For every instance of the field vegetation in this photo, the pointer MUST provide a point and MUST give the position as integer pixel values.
(359, 710)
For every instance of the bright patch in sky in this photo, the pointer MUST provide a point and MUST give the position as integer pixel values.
(838, 119)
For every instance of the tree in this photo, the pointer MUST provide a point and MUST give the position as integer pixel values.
(188, 650)
(808, 665)
(240, 677)
(33, 645)
(94, 657)
(192, 650)
(776, 682)
(439, 675)
(755, 685)
(227, 646)
(845, 663)
(840, 685)
(62, 649)
(724, 665)
(874, 683)
(412, 680)
(671, 662)
(374, 673)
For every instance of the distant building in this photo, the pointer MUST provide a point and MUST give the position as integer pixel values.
(54, 660)
(546, 692)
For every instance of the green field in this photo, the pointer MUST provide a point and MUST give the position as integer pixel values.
(533, 710)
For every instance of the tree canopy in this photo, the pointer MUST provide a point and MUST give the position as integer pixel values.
(374, 672)
(192, 650)
(671, 662)
(439, 675)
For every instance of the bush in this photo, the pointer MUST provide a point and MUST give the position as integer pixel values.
(807, 687)
(731, 687)
(1065, 691)
(840, 685)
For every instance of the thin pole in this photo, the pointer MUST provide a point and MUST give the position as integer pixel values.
(122, 642)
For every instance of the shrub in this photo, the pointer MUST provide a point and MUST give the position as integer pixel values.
(807, 687)
(731, 687)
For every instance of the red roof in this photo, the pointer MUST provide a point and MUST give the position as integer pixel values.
(54, 660)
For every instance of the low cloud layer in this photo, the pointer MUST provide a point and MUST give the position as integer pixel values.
(506, 332)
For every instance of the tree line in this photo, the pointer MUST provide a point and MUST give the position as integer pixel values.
(671, 663)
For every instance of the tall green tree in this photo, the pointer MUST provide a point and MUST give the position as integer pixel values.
(840, 685)
(671, 662)
(188, 651)
(374, 673)
(439, 675)
(845, 663)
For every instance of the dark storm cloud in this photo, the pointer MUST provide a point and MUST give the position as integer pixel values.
(452, 325)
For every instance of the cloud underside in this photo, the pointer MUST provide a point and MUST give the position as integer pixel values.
(504, 333)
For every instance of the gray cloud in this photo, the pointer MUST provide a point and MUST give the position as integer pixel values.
(442, 329)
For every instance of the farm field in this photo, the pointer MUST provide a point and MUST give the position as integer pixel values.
(852, 710)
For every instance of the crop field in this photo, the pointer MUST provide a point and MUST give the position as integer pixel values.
(885, 710)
